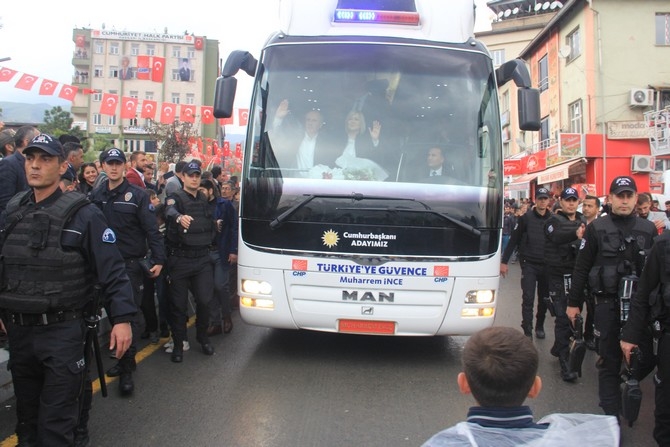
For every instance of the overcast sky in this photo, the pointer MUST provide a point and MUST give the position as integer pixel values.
(37, 35)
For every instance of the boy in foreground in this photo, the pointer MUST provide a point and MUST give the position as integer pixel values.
(500, 370)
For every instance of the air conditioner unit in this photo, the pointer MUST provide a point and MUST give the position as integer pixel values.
(642, 163)
(641, 97)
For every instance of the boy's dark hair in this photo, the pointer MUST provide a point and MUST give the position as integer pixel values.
(71, 146)
(216, 171)
(590, 197)
(500, 364)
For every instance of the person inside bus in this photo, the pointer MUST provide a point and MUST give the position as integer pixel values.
(303, 146)
(361, 142)
(435, 170)
(500, 371)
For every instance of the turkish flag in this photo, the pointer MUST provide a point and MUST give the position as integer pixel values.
(243, 116)
(168, 111)
(238, 150)
(88, 91)
(143, 70)
(149, 109)
(157, 69)
(224, 121)
(207, 114)
(226, 148)
(80, 40)
(6, 74)
(128, 107)
(48, 87)
(199, 43)
(108, 104)
(68, 92)
(26, 82)
(187, 113)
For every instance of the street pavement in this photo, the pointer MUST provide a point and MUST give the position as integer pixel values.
(266, 387)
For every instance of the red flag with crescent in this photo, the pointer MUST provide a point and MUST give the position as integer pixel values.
(168, 112)
(238, 150)
(6, 74)
(48, 87)
(68, 92)
(149, 109)
(128, 107)
(207, 114)
(187, 113)
(199, 43)
(108, 104)
(157, 69)
(26, 82)
(80, 40)
(226, 149)
(243, 116)
(224, 121)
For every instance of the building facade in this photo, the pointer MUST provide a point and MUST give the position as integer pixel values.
(126, 80)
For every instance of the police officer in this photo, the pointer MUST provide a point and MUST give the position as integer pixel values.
(528, 235)
(563, 230)
(609, 250)
(130, 215)
(56, 246)
(190, 230)
(648, 306)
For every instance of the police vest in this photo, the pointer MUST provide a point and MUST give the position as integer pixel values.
(531, 248)
(562, 256)
(618, 253)
(201, 232)
(38, 274)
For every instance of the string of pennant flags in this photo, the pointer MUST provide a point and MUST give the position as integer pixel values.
(110, 102)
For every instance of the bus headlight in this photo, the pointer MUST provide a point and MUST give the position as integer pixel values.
(479, 296)
(256, 302)
(478, 312)
(256, 287)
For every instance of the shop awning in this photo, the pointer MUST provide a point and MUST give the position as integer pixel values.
(556, 173)
(526, 178)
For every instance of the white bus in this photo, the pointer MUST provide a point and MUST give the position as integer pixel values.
(344, 226)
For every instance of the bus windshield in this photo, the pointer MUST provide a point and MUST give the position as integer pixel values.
(375, 135)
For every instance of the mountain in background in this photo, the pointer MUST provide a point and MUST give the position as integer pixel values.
(19, 112)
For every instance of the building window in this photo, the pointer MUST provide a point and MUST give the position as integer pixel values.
(97, 97)
(114, 48)
(175, 98)
(175, 75)
(544, 131)
(99, 48)
(176, 52)
(151, 50)
(504, 101)
(498, 57)
(113, 72)
(135, 49)
(190, 98)
(111, 120)
(663, 28)
(543, 73)
(506, 153)
(575, 112)
(134, 94)
(97, 71)
(97, 119)
(573, 40)
(191, 52)
(149, 96)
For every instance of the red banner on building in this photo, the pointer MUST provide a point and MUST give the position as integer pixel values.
(535, 162)
(108, 104)
(168, 112)
(187, 113)
(157, 69)
(512, 167)
(143, 68)
(149, 109)
(128, 107)
(80, 40)
(199, 43)
(48, 87)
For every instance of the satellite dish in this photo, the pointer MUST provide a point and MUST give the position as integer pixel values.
(565, 51)
(545, 6)
(556, 4)
(538, 6)
(500, 14)
(508, 12)
(515, 11)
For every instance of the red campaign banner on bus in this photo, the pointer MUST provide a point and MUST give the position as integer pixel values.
(207, 114)
(6, 74)
(157, 69)
(48, 87)
(512, 167)
(128, 107)
(143, 70)
(149, 109)
(187, 113)
(108, 104)
(68, 92)
(26, 82)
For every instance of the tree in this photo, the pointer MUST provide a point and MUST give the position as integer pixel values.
(58, 122)
(173, 140)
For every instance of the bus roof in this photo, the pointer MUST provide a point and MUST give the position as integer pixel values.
(449, 21)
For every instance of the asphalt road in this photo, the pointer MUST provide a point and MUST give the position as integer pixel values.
(276, 388)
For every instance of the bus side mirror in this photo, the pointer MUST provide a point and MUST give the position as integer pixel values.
(529, 108)
(224, 97)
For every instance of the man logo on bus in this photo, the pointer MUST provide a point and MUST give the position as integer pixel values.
(330, 238)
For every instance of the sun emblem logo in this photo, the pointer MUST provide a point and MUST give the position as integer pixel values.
(330, 238)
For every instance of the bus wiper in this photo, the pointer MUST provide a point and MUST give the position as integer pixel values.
(467, 227)
(279, 220)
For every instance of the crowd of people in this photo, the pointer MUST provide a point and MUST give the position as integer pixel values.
(70, 228)
(609, 261)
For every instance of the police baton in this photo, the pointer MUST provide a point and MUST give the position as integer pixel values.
(92, 318)
(631, 394)
(577, 346)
